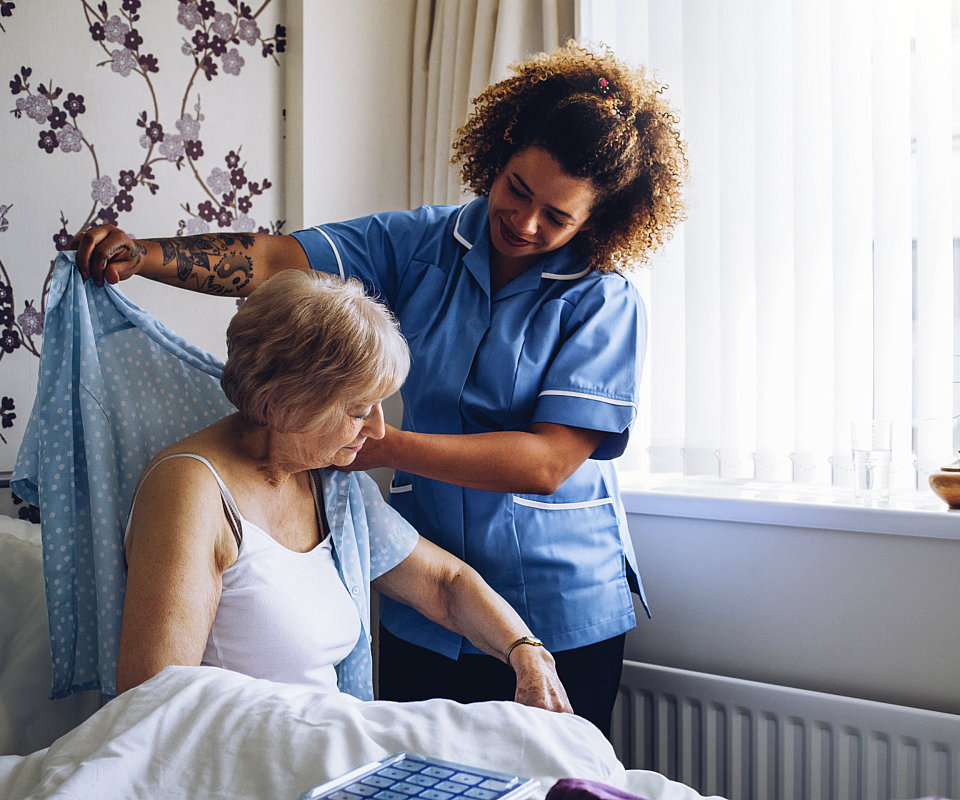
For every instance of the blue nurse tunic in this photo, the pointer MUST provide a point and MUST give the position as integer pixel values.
(561, 343)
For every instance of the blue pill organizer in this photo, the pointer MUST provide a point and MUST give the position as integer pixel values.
(409, 776)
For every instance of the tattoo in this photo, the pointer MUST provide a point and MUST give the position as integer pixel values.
(139, 251)
(220, 255)
(136, 252)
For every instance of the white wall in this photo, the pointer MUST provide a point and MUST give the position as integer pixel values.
(860, 614)
(348, 101)
(348, 116)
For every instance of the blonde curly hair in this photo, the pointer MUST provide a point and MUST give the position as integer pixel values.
(601, 121)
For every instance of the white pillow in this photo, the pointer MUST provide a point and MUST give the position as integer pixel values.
(29, 720)
(21, 528)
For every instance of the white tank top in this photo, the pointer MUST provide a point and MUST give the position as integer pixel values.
(283, 615)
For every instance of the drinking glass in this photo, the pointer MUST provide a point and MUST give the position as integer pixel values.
(871, 442)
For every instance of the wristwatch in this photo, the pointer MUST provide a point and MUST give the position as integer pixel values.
(531, 640)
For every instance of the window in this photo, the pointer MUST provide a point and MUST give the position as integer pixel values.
(815, 279)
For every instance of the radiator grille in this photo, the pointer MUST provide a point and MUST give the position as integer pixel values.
(754, 741)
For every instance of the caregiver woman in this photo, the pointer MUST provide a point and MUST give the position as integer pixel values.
(527, 344)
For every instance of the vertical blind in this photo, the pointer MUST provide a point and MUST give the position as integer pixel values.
(814, 281)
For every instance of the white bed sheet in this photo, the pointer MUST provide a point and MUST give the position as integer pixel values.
(204, 732)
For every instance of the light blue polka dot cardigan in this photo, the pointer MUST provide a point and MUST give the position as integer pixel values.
(115, 387)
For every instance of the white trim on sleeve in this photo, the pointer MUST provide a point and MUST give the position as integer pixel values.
(333, 247)
(523, 501)
(584, 395)
(401, 489)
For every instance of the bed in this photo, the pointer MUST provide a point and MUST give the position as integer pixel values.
(109, 376)
(203, 732)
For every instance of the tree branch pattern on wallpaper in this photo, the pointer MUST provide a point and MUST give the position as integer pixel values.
(218, 38)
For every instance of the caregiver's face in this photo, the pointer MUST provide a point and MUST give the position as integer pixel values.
(535, 207)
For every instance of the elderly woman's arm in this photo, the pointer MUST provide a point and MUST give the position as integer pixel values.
(446, 590)
(176, 553)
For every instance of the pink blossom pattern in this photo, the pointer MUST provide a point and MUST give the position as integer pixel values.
(219, 181)
(189, 127)
(195, 226)
(30, 320)
(188, 15)
(232, 61)
(223, 25)
(243, 224)
(171, 148)
(102, 190)
(115, 30)
(214, 40)
(248, 31)
(69, 139)
(123, 62)
(36, 107)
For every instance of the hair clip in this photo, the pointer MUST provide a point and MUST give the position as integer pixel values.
(607, 90)
(612, 96)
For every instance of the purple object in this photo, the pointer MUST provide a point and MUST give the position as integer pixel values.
(579, 789)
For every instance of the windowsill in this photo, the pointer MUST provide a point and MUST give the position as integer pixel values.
(794, 505)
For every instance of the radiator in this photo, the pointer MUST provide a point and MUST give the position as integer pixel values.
(756, 741)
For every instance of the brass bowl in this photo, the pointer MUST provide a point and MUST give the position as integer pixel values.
(946, 484)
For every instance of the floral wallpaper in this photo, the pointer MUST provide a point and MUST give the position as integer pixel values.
(162, 117)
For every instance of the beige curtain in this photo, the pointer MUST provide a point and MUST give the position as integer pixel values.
(461, 46)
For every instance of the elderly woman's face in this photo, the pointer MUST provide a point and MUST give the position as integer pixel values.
(335, 442)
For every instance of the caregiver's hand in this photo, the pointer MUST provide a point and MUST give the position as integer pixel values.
(106, 253)
(537, 681)
(375, 452)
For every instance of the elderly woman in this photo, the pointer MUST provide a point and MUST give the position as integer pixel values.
(245, 551)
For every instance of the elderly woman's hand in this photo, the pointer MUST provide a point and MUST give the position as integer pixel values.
(451, 593)
(537, 681)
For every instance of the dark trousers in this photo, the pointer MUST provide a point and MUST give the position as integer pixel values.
(590, 674)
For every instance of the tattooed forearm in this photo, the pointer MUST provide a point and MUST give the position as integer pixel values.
(214, 263)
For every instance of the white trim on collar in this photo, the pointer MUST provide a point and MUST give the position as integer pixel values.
(456, 230)
(333, 247)
(556, 276)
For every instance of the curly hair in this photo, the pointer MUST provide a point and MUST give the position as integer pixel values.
(601, 121)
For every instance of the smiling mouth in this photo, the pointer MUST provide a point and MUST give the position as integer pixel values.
(511, 238)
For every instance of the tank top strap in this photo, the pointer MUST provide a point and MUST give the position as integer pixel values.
(316, 486)
(229, 504)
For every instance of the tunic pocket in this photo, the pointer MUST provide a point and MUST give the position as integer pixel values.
(573, 562)
(403, 499)
(575, 542)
